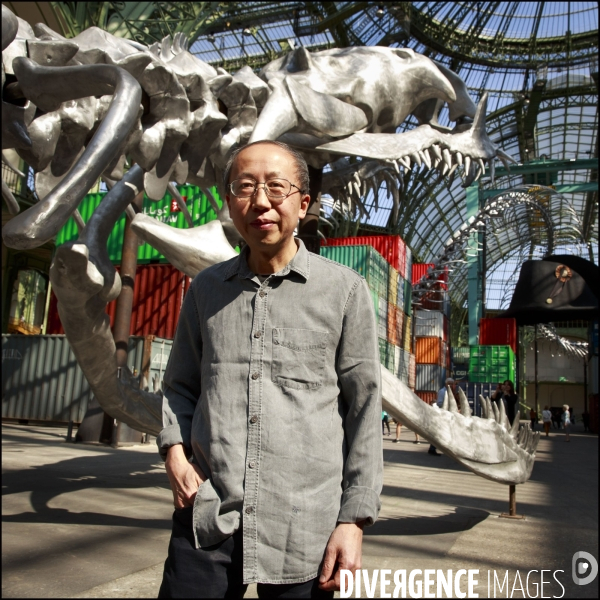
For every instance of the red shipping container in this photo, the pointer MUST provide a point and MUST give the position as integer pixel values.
(430, 351)
(391, 247)
(157, 298)
(498, 332)
(420, 269)
(432, 300)
(427, 397)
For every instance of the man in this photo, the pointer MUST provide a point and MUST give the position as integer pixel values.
(585, 417)
(547, 419)
(273, 389)
(440, 403)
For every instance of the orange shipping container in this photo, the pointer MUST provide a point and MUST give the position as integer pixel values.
(394, 325)
(430, 351)
(427, 397)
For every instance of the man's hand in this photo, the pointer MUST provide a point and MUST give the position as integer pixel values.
(185, 477)
(344, 551)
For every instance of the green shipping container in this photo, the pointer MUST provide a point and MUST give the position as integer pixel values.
(165, 210)
(375, 299)
(383, 351)
(408, 297)
(364, 260)
(491, 364)
(390, 357)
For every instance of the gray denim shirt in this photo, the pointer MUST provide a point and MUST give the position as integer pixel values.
(275, 391)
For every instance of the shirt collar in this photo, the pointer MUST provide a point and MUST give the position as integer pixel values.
(299, 264)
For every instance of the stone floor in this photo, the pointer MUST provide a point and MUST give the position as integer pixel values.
(90, 521)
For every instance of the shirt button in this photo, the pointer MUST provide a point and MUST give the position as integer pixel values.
(253, 419)
(262, 294)
(255, 375)
(249, 509)
(257, 334)
(252, 464)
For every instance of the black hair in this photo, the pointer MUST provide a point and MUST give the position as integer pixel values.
(301, 166)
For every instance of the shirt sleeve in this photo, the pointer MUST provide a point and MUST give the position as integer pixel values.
(182, 380)
(359, 374)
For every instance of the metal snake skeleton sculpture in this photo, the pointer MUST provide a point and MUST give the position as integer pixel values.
(75, 109)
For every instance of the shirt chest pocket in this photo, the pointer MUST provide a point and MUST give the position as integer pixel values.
(298, 358)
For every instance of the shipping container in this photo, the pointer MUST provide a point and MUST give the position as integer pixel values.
(364, 260)
(393, 287)
(412, 371)
(159, 358)
(430, 350)
(165, 210)
(401, 286)
(491, 363)
(409, 264)
(394, 325)
(430, 378)
(431, 323)
(391, 247)
(157, 298)
(427, 397)
(390, 364)
(498, 332)
(473, 390)
(400, 316)
(383, 351)
(396, 366)
(383, 317)
(407, 334)
(403, 365)
(407, 297)
(419, 270)
(375, 299)
(41, 380)
(437, 300)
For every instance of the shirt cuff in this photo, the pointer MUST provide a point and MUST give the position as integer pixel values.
(359, 504)
(169, 436)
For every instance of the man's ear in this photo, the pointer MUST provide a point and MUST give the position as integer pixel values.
(304, 202)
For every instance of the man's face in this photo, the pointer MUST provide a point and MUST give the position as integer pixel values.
(264, 225)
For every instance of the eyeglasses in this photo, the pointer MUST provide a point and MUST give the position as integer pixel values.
(277, 190)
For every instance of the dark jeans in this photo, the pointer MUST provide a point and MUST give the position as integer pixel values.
(216, 571)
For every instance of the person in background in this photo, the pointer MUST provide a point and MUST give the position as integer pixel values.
(556, 416)
(533, 416)
(385, 422)
(547, 420)
(566, 421)
(399, 431)
(510, 399)
(585, 417)
(497, 395)
(440, 402)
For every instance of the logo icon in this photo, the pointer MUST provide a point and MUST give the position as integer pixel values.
(585, 568)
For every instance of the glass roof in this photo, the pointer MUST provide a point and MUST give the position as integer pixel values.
(538, 63)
